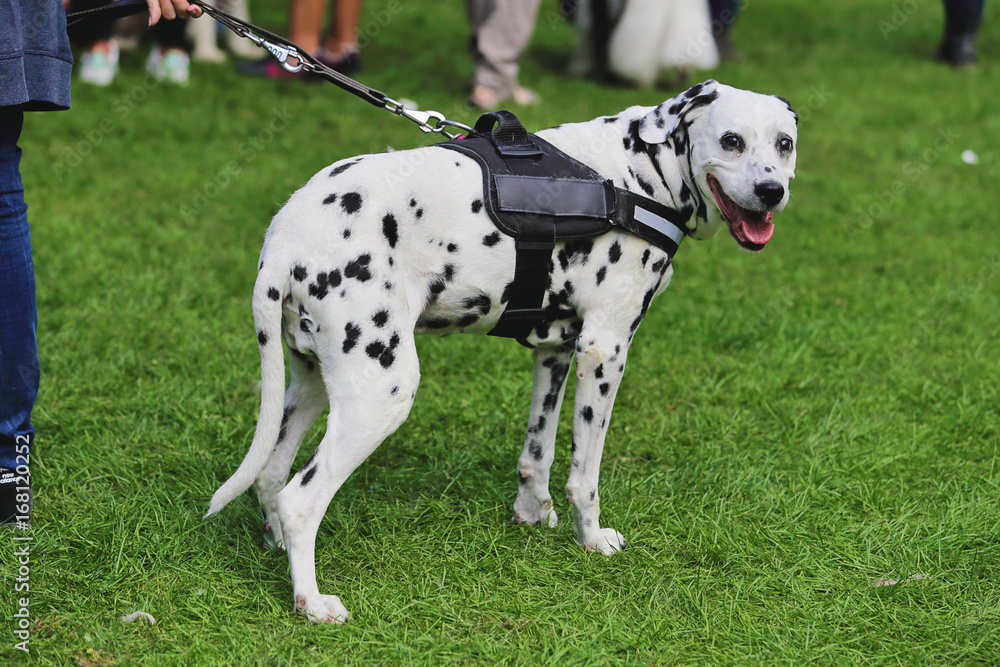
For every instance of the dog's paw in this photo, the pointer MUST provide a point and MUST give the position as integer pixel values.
(608, 542)
(322, 609)
(272, 533)
(535, 513)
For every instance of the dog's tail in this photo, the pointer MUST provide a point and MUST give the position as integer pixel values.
(268, 295)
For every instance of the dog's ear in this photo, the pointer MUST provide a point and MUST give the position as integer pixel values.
(789, 105)
(660, 123)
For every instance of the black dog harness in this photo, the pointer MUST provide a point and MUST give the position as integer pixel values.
(540, 196)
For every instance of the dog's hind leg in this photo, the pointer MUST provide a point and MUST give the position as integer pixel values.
(534, 503)
(371, 384)
(305, 399)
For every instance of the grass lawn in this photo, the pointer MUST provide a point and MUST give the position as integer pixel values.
(793, 426)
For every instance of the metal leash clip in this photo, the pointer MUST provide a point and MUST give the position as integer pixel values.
(423, 118)
(281, 53)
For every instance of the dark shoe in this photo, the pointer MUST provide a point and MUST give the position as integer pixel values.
(347, 65)
(269, 68)
(958, 50)
(15, 499)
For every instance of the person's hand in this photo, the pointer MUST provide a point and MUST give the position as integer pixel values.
(171, 9)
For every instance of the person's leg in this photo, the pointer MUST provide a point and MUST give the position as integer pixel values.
(305, 22)
(99, 60)
(341, 50)
(19, 366)
(961, 24)
(169, 61)
(342, 37)
(723, 18)
(501, 30)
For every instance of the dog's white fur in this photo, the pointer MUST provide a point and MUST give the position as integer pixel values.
(379, 247)
(650, 36)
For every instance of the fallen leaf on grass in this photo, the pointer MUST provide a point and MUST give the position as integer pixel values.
(885, 581)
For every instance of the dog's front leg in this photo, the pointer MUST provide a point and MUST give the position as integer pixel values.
(600, 363)
(534, 503)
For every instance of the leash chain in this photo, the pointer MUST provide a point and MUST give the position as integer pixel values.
(294, 59)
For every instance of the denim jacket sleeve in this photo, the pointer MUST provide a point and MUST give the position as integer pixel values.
(35, 58)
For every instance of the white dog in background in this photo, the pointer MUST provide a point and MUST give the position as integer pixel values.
(203, 34)
(638, 39)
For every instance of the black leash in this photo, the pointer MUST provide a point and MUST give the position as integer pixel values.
(291, 57)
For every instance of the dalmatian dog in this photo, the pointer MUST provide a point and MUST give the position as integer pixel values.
(375, 249)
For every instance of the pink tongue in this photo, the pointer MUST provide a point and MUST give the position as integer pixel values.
(758, 231)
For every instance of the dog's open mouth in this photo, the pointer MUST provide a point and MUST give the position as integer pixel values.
(750, 229)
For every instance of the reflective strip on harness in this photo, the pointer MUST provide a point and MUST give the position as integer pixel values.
(662, 225)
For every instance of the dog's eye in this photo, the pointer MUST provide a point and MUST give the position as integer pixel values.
(731, 142)
(785, 145)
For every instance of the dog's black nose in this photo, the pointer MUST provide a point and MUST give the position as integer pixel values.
(769, 192)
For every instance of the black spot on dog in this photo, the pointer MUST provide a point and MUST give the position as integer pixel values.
(537, 428)
(645, 256)
(273, 294)
(358, 268)
(535, 449)
(378, 350)
(299, 273)
(491, 240)
(657, 266)
(308, 360)
(341, 168)
(413, 202)
(480, 303)
(353, 332)
(507, 291)
(601, 272)
(477, 206)
(351, 202)
(599, 371)
(593, 494)
(449, 272)
(587, 413)
(380, 318)
(347, 233)
(452, 247)
(329, 199)
(394, 391)
(646, 187)
(304, 325)
(610, 119)
(375, 348)
(467, 320)
(387, 286)
(307, 477)
(614, 252)
(390, 229)
(282, 431)
(262, 338)
(333, 278)
(604, 388)
(419, 213)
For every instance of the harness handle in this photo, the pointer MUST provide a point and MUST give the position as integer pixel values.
(508, 134)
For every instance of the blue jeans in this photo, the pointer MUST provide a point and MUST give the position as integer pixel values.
(19, 367)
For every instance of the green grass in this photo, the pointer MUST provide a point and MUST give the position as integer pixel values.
(792, 427)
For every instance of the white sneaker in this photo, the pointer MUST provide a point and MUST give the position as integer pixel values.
(99, 68)
(170, 65)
